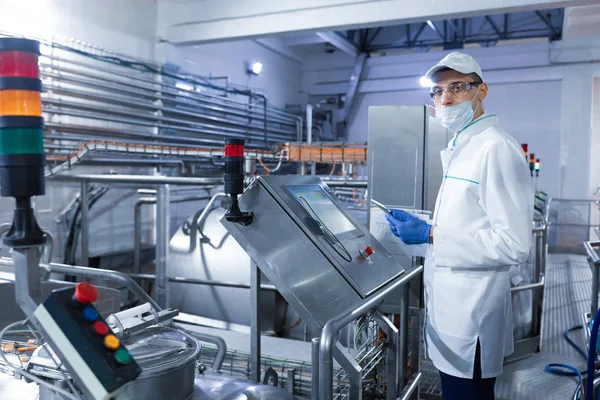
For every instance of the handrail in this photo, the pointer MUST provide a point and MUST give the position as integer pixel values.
(331, 330)
(592, 254)
(412, 386)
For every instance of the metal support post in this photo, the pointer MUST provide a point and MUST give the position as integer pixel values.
(28, 285)
(536, 278)
(85, 225)
(391, 356)
(315, 368)
(255, 323)
(403, 339)
(594, 261)
(291, 381)
(595, 277)
(137, 233)
(162, 245)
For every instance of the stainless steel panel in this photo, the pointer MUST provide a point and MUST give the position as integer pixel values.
(311, 276)
(290, 260)
(405, 169)
(437, 138)
(365, 276)
(396, 152)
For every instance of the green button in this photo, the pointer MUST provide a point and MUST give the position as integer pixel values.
(122, 356)
(21, 141)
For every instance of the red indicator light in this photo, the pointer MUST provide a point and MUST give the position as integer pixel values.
(16, 63)
(234, 150)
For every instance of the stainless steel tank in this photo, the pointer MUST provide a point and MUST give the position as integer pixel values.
(216, 256)
(167, 357)
(217, 387)
(168, 360)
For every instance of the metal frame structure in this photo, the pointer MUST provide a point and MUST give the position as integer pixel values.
(396, 352)
(594, 261)
(453, 33)
(162, 215)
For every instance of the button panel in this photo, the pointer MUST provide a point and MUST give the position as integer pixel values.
(73, 314)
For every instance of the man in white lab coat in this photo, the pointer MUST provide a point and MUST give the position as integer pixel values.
(481, 231)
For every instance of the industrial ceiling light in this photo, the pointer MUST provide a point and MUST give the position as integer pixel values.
(425, 82)
(255, 68)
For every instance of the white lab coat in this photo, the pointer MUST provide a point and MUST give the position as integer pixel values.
(482, 229)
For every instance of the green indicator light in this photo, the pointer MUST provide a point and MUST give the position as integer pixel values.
(21, 141)
(122, 356)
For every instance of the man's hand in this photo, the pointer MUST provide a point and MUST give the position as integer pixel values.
(410, 229)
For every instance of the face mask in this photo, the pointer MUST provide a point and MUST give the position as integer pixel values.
(456, 117)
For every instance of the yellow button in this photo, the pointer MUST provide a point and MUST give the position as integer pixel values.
(111, 342)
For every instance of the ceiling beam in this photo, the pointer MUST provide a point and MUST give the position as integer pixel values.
(493, 24)
(341, 42)
(302, 40)
(547, 22)
(418, 34)
(435, 29)
(209, 21)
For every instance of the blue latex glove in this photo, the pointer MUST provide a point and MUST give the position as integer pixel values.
(410, 229)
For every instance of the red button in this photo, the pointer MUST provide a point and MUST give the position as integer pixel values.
(369, 250)
(85, 293)
(100, 328)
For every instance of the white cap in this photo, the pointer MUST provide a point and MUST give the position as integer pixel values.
(463, 63)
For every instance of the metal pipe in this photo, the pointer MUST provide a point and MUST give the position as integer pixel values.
(140, 179)
(73, 130)
(412, 386)
(314, 368)
(95, 273)
(330, 331)
(133, 103)
(85, 226)
(255, 350)
(192, 281)
(591, 252)
(149, 120)
(594, 261)
(218, 341)
(162, 245)
(343, 183)
(530, 286)
(151, 86)
(137, 223)
(403, 338)
(154, 93)
(135, 161)
(595, 284)
(48, 248)
(198, 220)
(137, 230)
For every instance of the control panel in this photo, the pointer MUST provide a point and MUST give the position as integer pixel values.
(85, 342)
(305, 240)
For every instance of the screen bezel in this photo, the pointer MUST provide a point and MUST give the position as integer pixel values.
(347, 235)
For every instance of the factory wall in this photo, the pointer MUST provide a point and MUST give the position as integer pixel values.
(538, 89)
(279, 79)
(127, 27)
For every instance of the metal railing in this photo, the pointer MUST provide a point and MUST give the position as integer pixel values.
(594, 261)
(162, 215)
(329, 335)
